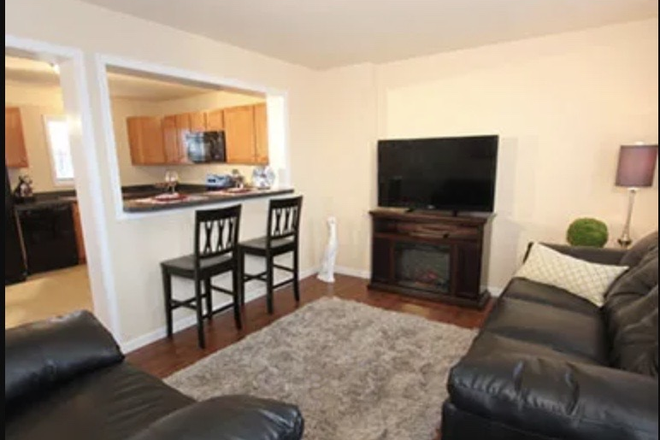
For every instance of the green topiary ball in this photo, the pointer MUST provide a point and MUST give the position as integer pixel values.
(587, 232)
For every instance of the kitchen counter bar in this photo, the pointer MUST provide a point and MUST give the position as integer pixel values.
(201, 199)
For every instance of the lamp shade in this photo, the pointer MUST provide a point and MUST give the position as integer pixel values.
(636, 165)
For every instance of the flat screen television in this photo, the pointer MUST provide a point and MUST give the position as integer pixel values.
(447, 174)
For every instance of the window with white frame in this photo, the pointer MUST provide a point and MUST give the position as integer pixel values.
(57, 133)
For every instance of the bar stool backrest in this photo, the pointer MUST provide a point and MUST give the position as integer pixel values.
(216, 233)
(284, 219)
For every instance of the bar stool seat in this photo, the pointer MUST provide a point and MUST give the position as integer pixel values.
(185, 266)
(259, 245)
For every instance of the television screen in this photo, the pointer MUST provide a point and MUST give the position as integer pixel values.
(452, 174)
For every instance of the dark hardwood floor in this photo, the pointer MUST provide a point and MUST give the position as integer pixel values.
(165, 356)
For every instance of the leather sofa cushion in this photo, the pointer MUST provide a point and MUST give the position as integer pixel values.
(109, 404)
(640, 249)
(634, 284)
(487, 344)
(527, 290)
(464, 425)
(564, 331)
(561, 400)
(635, 345)
(640, 278)
(591, 254)
(229, 418)
(631, 308)
(41, 355)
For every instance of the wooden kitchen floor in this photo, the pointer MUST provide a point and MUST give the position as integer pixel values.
(46, 295)
(164, 357)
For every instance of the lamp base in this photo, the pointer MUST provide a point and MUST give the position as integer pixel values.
(625, 241)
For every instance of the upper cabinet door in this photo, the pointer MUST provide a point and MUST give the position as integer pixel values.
(171, 140)
(215, 120)
(145, 139)
(15, 151)
(184, 127)
(261, 134)
(197, 121)
(240, 134)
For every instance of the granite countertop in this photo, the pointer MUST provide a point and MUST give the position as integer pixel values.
(200, 199)
(47, 200)
(137, 198)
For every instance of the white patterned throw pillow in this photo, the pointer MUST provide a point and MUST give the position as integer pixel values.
(582, 278)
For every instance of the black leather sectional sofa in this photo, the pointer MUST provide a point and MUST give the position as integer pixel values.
(67, 379)
(551, 365)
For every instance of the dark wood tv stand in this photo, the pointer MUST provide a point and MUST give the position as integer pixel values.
(433, 255)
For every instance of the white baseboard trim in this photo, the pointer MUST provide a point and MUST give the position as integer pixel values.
(342, 270)
(495, 291)
(189, 321)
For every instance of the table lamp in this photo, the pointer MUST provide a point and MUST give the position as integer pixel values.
(636, 170)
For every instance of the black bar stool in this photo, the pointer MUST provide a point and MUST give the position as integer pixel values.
(215, 253)
(281, 238)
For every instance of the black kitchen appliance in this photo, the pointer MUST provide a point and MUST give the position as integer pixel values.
(205, 147)
(49, 236)
(15, 270)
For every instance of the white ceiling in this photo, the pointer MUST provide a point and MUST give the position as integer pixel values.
(40, 74)
(328, 33)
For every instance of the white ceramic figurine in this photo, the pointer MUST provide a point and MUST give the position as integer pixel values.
(327, 272)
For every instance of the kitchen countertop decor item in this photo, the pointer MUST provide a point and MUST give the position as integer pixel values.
(263, 177)
(24, 192)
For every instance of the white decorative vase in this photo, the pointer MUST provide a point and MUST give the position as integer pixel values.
(327, 272)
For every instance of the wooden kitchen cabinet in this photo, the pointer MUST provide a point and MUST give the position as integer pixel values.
(175, 129)
(172, 140)
(197, 121)
(145, 139)
(183, 126)
(215, 120)
(80, 241)
(261, 134)
(240, 134)
(15, 151)
(162, 141)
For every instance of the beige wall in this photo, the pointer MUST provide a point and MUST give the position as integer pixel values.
(35, 103)
(123, 108)
(345, 164)
(562, 105)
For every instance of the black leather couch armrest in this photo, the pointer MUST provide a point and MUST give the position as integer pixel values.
(41, 355)
(229, 418)
(591, 254)
(557, 398)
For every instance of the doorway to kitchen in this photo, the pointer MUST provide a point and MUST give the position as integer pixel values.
(45, 252)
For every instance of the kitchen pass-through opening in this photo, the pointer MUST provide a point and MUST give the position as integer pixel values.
(181, 140)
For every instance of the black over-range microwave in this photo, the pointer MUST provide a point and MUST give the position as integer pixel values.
(205, 147)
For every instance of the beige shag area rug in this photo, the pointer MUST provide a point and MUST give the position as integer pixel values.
(357, 372)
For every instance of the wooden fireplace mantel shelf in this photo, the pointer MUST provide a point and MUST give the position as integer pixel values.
(463, 240)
